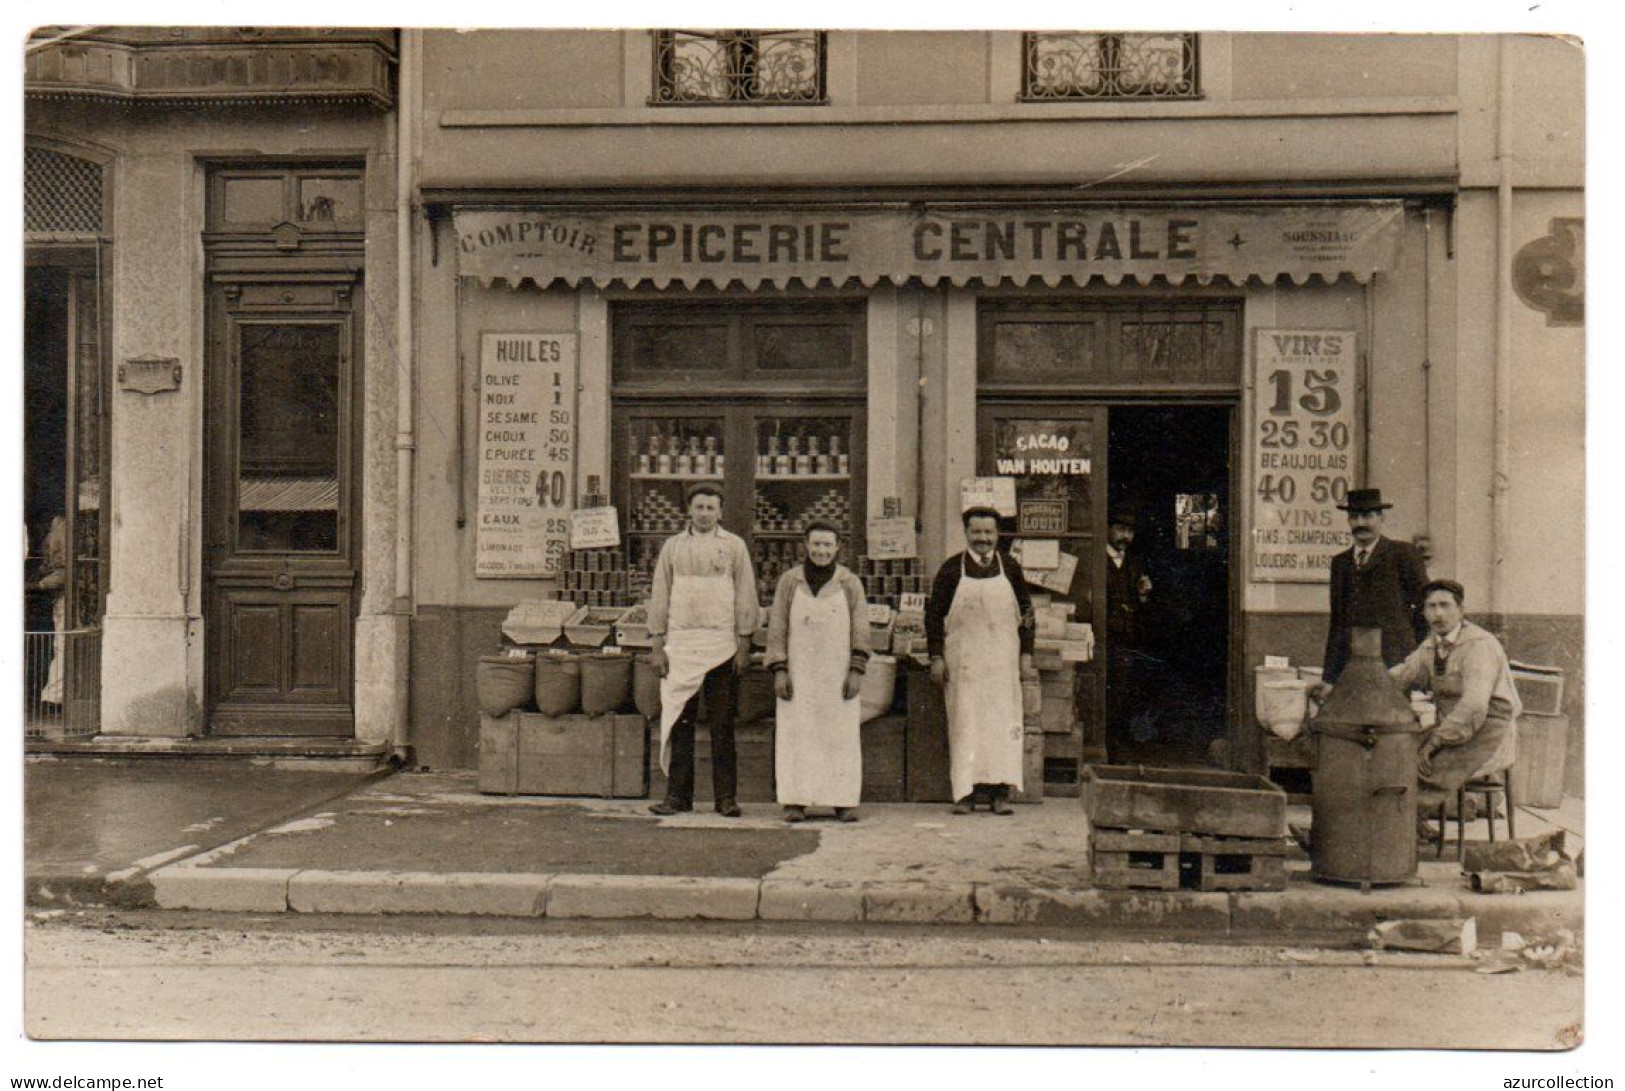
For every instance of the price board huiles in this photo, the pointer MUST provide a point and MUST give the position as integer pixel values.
(526, 433)
(1302, 451)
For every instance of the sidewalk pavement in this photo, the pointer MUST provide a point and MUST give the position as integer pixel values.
(430, 843)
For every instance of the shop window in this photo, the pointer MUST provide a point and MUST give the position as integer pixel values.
(776, 417)
(738, 67)
(1091, 65)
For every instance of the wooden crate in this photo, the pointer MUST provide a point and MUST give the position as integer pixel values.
(499, 754)
(1237, 863)
(1032, 770)
(526, 753)
(1537, 775)
(1139, 860)
(753, 746)
(884, 759)
(1196, 801)
(1119, 860)
(926, 742)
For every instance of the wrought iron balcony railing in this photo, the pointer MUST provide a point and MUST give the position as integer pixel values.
(738, 67)
(1098, 66)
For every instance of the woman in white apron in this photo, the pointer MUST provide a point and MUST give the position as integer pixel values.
(817, 647)
(981, 664)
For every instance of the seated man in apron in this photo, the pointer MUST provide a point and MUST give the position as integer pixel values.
(979, 630)
(702, 614)
(818, 647)
(1466, 670)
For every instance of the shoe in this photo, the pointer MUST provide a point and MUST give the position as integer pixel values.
(795, 814)
(846, 814)
(727, 808)
(1001, 805)
(670, 807)
(966, 805)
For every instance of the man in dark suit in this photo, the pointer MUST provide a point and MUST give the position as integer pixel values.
(1377, 583)
(1128, 712)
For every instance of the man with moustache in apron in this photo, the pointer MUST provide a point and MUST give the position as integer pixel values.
(702, 613)
(979, 630)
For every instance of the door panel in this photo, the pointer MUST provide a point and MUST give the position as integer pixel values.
(1057, 455)
(281, 575)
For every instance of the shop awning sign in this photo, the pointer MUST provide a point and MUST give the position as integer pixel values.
(547, 245)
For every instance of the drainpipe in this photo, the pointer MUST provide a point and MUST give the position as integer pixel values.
(406, 359)
(1500, 479)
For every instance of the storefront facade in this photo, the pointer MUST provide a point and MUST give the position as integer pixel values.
(212, 279)
(931, 266)
(1214, 280)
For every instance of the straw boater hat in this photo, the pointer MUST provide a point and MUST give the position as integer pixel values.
(1364, 500)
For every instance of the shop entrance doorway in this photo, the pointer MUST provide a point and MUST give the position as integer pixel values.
(1167, 694)
(1157, 689)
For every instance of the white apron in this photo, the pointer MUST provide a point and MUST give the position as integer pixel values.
(818, 752)
(699, 637)
(983, 653)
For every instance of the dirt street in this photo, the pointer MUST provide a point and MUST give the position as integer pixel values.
(170, 976)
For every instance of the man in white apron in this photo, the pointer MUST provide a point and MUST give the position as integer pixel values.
(702, 614)
(979, 631)
(818, 647)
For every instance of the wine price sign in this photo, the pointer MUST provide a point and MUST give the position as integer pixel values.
(1302, 451)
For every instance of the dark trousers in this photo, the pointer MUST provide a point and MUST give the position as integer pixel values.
(721, 692)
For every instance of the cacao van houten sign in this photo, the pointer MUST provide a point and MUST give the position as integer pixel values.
(719, 248)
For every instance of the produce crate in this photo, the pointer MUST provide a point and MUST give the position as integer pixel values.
(1195, 801)
(753, 745)
(1537, 775)
(884, 747)
(1140, 860)
(926, 742)
(1119, 860)
(526, 753)
(590, 626)
(1032, 770)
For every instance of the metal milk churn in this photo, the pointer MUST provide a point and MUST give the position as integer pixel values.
(1365, 774)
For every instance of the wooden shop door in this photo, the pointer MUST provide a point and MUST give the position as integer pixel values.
(280, 563)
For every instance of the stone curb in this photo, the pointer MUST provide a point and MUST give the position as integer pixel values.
(1300, 911)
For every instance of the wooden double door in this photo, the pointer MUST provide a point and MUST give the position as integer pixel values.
(281, 565)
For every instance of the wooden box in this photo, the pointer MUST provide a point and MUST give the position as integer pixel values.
(1537, 775)
(926, 742)
(526, 753)
(753, 747)
(1032, 770)
(1197, 801)
(884, 763)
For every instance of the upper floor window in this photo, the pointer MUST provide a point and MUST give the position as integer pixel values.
(738, 67)
(1092, 65)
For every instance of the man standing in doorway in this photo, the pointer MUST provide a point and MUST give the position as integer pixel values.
(979, 630)
(702, 613)
(1127, 589)
(1376, 583)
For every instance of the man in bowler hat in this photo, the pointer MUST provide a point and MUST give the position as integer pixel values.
(1376, 583)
